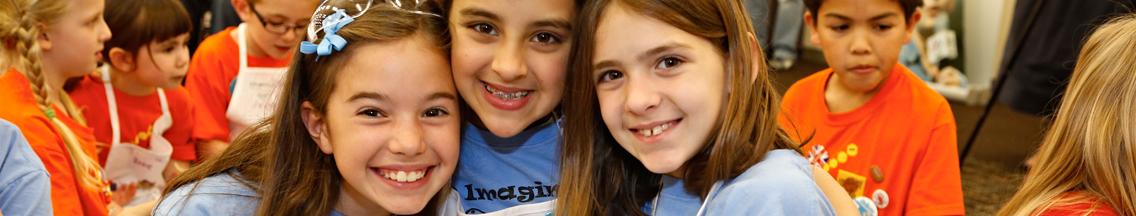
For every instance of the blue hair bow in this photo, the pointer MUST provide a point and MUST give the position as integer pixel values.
(331, 41)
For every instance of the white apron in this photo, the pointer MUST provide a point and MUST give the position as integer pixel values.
(129, 163)
(254, 92)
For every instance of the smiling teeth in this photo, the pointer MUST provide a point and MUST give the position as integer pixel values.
(505, 95)
(403, 176)
(655, 130)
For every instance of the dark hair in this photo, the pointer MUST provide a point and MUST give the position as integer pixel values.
(598, 177)
(908, 7)
(277, 156)
(136, 23)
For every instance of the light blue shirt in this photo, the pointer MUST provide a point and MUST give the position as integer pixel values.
(781, 184)
(220, 194)
(496, 173)
(25, 187)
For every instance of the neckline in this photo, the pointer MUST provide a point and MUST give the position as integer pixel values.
(893, 79)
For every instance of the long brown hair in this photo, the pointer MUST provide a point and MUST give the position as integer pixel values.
(20, 24)
(1091, 148)
(278, 156)
(600, 178)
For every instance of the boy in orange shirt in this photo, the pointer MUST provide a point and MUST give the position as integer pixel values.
(259, 49)
(873, 125)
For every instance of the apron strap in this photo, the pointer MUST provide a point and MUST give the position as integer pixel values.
(242, 46)
(112, 106)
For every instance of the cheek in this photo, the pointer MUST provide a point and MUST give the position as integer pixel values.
(551, 70)
(611, 108)
(468, 58)
(446, 142)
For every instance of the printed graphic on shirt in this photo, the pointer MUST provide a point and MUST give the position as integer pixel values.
(852, 182)
(521, 193)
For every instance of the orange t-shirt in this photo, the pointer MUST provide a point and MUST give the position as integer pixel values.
(901, 142)
(68, 196)
(210, 79)
(136, 117)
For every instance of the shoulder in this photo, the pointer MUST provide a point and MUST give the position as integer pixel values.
(782, 171)
(780, 184)
(220, 194)
(922, 96)
(808, 86)
(178, 98)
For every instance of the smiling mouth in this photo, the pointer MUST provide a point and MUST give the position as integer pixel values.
(656, 130)
(506, 95)
(403, 176)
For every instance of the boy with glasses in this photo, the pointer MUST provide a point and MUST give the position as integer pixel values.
(235, 73)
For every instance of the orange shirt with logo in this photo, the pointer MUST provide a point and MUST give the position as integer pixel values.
(212, 70)
(136, 117)
(68, 196)
(899, 149)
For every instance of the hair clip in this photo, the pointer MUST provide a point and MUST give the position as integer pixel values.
(331, 41)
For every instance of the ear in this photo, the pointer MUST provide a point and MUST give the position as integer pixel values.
(911, 24)
(242, 9)
(42, 39)
(810, 22)
(316, 126)
(121, 60)
(756, 54)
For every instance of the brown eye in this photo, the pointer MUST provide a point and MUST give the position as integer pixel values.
(545, 38)
(435, 112)
(484, 28)
(668, 63)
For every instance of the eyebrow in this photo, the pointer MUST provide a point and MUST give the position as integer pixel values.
(646, 55)
(381, 97)
(874, 18)
(368, 95)
(554, 23)
(442, 95)
(480, 13)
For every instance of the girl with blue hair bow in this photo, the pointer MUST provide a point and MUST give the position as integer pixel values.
(351, 135)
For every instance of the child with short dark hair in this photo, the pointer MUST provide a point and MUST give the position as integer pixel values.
(887, 138)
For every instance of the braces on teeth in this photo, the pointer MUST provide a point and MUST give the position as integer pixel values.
(506, 96)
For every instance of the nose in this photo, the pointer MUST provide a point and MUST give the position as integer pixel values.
(182, 59)
(642, 96)
(509, 62)
(860, 44)
(408, 138)
(291, 35)
(104, 31)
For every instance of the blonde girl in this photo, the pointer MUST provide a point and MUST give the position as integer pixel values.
(45, 43)
(1087, 160)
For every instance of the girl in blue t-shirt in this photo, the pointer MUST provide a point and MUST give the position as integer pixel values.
(367, 124)
(674, 114)
(509, 61)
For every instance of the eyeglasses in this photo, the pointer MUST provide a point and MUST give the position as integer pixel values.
(276, 27)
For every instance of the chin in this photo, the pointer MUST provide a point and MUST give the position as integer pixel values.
(405, 208)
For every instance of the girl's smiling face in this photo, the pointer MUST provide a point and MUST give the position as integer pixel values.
(660, 89)
(392, 126)
(510, 59)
